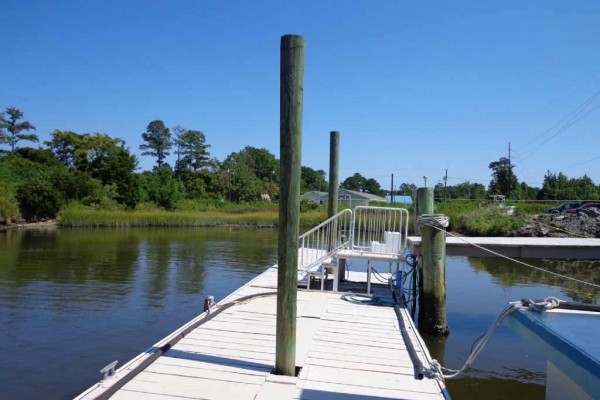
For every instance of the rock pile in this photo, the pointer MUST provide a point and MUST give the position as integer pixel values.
(584, 223)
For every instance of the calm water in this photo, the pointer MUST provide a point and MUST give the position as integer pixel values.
(71, 301)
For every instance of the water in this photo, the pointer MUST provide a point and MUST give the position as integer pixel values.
(510, 367)
(72, 301)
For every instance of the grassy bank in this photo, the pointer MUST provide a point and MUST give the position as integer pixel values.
(79, 216)
(470, 218)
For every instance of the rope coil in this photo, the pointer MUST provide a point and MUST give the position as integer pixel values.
(439, 221)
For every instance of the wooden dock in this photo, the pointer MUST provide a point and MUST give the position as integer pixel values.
(518, 247)
(345, 350)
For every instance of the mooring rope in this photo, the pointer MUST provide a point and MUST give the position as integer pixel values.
(509, 258)
(436, 369)
(438, 221)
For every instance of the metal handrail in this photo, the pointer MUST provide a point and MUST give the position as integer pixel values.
(380, 230)
(324, 240)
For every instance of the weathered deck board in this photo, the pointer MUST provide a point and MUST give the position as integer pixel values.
(346, 350)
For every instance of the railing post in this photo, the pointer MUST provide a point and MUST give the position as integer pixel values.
(432, 304)
(291, 88)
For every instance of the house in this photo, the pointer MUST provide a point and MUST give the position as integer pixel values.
(346, 198)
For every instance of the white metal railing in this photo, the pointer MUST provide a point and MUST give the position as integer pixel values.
(324, 240)
(379, 230)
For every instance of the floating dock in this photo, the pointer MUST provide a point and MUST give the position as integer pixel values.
(345, 351)
(518, 247)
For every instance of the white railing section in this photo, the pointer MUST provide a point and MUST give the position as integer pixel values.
(324, 240)
(379, 230)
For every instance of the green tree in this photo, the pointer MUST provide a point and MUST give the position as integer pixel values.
(38, 198)
(64, 144)
(360, 183)
(102, 157)
(312, 180)
(372, 186)
(406, 189)
(161, 187)
(261, 162)
(243, 184)
(355, 182)
(560, 187)
(504, 181)
(192, 150)
(464, 190)
(11, 128)
(158, 142)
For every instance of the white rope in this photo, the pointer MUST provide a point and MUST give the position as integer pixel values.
(480, 345)
(439, 221)
(436, 368)
(519, 262)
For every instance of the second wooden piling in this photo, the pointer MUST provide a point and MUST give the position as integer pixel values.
(432, 299)
(334, 176)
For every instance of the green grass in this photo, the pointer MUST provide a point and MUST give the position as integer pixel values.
(488, 221)
(248, 216)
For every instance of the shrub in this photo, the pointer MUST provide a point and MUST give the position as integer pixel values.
(38, 199)
(308, 205)
(9, 207)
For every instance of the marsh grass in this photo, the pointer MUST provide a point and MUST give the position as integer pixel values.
(489, 221)
(246, 216)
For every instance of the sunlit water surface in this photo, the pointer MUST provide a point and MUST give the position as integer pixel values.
(73, 300)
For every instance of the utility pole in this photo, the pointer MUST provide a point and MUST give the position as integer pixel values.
(392, 190)
(445, 183)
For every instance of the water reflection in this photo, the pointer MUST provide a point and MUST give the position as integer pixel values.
(77, 299)
(508, 273)
(477, 290)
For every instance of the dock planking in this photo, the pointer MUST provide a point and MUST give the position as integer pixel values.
(346, 351)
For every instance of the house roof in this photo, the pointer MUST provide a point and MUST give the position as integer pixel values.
(365, 195)
(354, 193)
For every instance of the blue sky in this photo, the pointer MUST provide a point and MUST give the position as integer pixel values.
(414, 87)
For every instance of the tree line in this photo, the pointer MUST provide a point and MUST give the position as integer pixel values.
(99, 170)
(504, 181)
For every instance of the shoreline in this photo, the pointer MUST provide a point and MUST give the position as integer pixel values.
(49, 224)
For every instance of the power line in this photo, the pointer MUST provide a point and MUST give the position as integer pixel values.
(563, 124)
(579, 108)
(583, 162)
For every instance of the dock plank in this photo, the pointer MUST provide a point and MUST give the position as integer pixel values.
(346, 351)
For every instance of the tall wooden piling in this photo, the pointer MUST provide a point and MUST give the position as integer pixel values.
(290, 128)
(432, 304)
(334, 176)
(423, 204)
(334, 184)
(424, 201)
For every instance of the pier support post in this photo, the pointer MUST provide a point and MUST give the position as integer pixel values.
(423, 204)
(334, 176)
(432, 304)
(334, 184)
(290, 128)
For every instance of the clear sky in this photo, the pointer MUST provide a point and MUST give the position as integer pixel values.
(414, 87)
